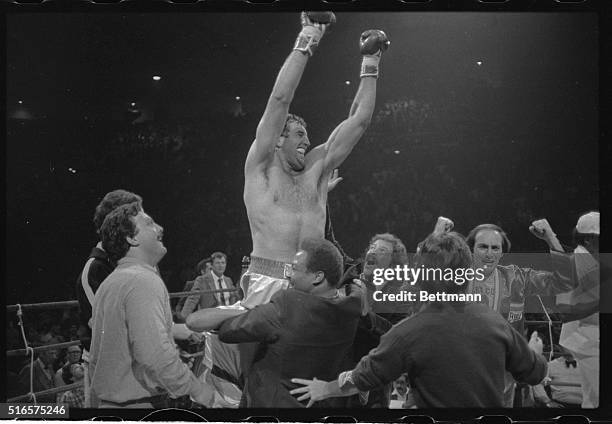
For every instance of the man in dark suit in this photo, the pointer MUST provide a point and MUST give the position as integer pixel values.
(42, 374)
(203, 267)
(211, 280)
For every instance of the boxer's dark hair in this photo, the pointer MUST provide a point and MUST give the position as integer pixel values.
(292, 118)
(471, 237)
(325, 257)
(118, 225)
(111, 201)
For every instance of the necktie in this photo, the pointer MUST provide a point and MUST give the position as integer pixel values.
(223, 296)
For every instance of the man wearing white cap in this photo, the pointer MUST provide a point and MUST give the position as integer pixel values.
(580, 308)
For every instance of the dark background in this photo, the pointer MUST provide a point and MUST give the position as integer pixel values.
(507, 141)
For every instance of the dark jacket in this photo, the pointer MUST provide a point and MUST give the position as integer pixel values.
(303, 336)
(456, 356)
(96, 269)
(207, 300)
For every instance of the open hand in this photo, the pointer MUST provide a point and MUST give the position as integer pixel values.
(313, 390)
(333, 181)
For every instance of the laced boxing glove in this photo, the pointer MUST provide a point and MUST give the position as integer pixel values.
(372, 44)
(314, 25)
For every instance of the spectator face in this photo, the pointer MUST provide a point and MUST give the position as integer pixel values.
(219, 265)
(379, 255)
(487, 250)
(77, 372)
(301, 279)
(148, 238)
(48, 357)
(74, 354)
(401, 385)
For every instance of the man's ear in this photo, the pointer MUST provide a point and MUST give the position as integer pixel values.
(320, 277)
(281, 140)
(132, 241)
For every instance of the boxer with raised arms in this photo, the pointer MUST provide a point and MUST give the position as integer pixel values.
(285, 188)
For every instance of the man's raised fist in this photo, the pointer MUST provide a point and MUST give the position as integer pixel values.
(541, 229)
(444, 225)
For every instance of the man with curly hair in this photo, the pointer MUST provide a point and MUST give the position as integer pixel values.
(134, 362)
(385, 250)
(97, 267)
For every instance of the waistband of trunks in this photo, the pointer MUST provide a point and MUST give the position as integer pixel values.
(269, 267)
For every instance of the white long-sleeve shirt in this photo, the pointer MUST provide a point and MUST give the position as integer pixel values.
(133, 355)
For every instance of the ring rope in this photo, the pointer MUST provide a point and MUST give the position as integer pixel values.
(27, 349)
(52, 391)
(549, 328)
(19, 352)
(75, 303)
(550, 354)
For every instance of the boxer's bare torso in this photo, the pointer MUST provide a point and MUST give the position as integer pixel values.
(284, 207)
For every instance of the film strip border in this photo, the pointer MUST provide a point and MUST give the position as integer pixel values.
(336, 5)
(601, 415)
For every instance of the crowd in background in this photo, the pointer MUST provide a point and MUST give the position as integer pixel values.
(399, 178)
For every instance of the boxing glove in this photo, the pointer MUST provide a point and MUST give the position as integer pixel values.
(314, 25)
(372, 44)
(312, 18)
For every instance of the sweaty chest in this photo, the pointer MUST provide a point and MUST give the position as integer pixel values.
(295, 194)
